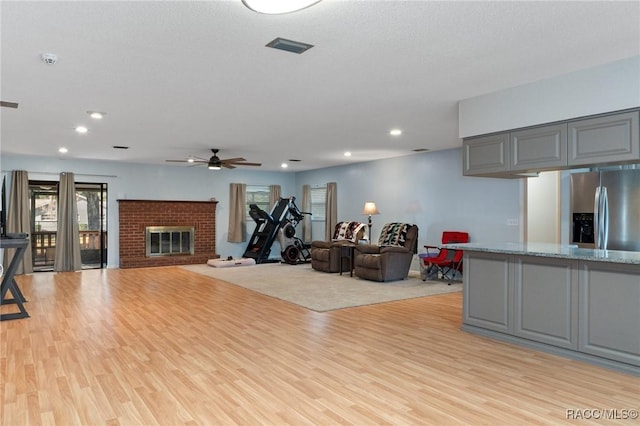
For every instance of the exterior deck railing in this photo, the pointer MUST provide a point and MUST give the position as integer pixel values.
(43, 246)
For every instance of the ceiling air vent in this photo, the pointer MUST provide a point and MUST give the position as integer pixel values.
(289, 45)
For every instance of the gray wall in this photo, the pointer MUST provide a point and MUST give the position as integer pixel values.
(150, 182)
(426, 189)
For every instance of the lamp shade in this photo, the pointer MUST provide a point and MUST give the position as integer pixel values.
(370, 208)
(275, 7)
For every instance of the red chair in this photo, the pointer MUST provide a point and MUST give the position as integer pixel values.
(446, 261)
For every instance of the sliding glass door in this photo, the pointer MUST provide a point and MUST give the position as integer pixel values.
(92, 220)
(44, 223)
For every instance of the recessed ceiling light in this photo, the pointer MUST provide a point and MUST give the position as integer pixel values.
(284, 165)
(96, 114)
(395, 132)
(190, 160)
(81, 129)
(63, 150)
(347, 154)
(274, 7)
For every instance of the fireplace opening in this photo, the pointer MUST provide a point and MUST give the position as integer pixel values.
(170, 240)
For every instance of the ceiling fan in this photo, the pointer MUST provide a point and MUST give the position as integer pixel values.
(215, 163)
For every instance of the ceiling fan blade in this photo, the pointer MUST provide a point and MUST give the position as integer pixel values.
(233, 160)
(227, 166)
(247, 164)
(9, 104)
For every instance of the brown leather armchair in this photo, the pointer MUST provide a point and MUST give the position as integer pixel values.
(390, 260)
(325, 255)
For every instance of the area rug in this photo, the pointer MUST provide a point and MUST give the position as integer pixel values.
(320, 291)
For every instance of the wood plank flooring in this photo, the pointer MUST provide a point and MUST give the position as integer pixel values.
(165, 346)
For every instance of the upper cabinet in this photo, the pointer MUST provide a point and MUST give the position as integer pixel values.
(486, 155)
(539, 148)
(606, 139)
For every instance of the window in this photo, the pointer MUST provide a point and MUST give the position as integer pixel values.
(259, 195)
(318, 203)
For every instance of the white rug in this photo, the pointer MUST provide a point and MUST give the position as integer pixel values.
(320, 291)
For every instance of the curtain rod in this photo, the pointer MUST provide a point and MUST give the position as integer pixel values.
(57, 174)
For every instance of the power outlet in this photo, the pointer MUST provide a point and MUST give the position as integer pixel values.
(512, 221)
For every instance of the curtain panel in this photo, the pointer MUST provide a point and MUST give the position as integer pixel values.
(306, 207)
(237, 213)
(68, 236)
(19, 219)
(274, 196)
(331, 218)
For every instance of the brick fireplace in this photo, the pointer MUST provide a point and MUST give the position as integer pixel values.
(136, 216)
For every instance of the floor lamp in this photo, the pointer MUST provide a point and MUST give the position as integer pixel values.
(370, 209)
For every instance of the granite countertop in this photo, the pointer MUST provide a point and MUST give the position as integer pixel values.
(552, 250)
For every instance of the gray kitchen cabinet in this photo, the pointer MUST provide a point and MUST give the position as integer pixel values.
(604, 140)
(610, 326)
(545, 300)
(487, 303)
(485, 156)
(539, 148)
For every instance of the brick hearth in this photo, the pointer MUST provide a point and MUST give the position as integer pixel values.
(136, 215)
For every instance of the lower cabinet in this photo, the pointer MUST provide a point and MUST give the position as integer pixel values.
(610, 311)
(545, 300)
(586, 307)
(487, 291)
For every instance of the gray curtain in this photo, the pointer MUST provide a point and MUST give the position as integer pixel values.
(68, 234)
(19, 219)
(332, 210)
(274, 196)
(306, 207)
(237, 213)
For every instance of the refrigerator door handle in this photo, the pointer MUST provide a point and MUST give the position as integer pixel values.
(604, 214)
(596, 219)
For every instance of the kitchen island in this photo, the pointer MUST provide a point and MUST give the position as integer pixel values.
(575, 302)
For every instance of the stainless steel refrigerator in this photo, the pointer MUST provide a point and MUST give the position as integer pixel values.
(605, 209)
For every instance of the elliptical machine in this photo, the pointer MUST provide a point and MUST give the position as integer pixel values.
(295, 250)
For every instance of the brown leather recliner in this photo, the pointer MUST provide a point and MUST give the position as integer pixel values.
(390, 260)
(325, 255)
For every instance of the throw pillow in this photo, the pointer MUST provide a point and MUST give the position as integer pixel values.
(393, 234)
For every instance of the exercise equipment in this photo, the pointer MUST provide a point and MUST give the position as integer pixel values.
(284, 214)
(295, 250)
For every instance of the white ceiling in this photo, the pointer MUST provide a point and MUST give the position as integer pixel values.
(179, 78)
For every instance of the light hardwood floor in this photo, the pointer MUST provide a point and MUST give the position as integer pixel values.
(170, 347)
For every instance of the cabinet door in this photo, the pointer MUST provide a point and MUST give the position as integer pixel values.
(609, 311)
(486, 291)
(546, 300)
(540, 148)
(486, 155)
(607, 139)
